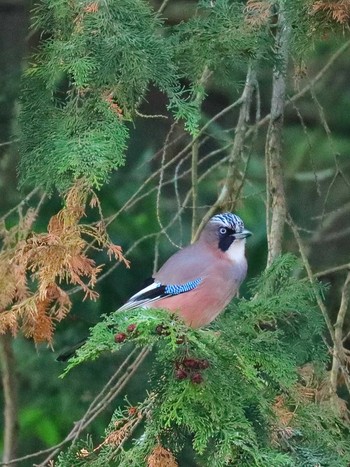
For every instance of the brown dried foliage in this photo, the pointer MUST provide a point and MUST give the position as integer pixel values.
(257, 13)
(109, 98)
(337, 11)
(161, 457)
(49, 259)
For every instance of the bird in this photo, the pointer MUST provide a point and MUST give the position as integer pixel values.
(198, 281)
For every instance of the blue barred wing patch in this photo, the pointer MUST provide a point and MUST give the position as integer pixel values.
(177, 289)
(156, 291)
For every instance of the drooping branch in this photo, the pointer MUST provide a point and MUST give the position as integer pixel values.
(276, 202)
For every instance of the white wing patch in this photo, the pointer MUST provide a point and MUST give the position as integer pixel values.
(135, 302)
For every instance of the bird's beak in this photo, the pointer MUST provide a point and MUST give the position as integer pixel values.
(246, 233)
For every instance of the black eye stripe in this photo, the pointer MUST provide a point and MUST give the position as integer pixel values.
(225, 242)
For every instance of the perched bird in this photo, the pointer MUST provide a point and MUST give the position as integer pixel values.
(198, 281)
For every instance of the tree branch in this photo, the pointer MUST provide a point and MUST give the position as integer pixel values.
(276, 209)
(302, 250)
(9, 384)
(338, 351)
(332, 270)
(107, 394)
(233, 183)
(194, 161)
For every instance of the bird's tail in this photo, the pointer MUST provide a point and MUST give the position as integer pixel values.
(67, 354)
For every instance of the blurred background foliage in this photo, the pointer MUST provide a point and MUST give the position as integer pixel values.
(316, 148)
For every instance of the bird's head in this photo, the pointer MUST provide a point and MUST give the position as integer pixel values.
(224, 230)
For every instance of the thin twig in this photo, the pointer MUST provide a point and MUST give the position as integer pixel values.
(194, 161)
(159, 187)
(326, 272)
(302, 250)
(162, 7)
(230, 191)
(306, 88)
(101, 401)
(194, 180)
(8, 143)
(20, 204)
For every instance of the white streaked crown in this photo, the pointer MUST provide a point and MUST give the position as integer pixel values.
(229, 220)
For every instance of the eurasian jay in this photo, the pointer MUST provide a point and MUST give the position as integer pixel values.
(199, 281)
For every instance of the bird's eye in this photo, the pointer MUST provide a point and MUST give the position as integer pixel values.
(223, 230)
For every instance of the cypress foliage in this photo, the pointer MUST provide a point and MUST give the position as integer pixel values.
(93, 68)
(233, 391)
(86, 81)
(96, 60)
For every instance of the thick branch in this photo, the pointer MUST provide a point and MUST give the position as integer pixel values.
(276, 201)
(338, 352)
(8, 370)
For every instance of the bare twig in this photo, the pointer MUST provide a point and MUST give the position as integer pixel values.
(9, 384)
(338, 351)
(302, 250)
(194, 163)
(101, 401)
(22, 203)
(160, 185)
(100, 407)
(8, 143)
(326, 272)
(162, 7)
(306, 88)
(230, 191)
(194, 179)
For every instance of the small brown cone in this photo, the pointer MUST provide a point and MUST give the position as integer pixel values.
(161, 457)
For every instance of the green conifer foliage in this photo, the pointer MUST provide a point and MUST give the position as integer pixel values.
(96, 60)
(232, 391)
(93, 66)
